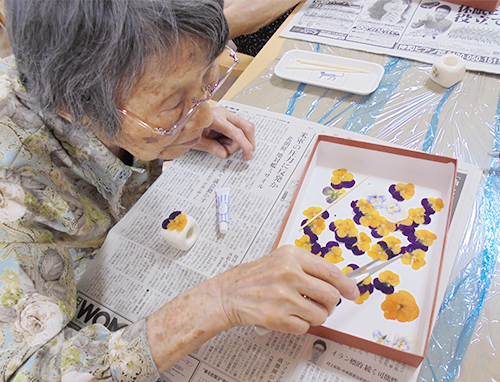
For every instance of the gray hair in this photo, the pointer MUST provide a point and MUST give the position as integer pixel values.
(84, 56)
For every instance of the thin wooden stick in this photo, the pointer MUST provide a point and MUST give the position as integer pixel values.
(317, 63)
(330, 205)
(352, 70)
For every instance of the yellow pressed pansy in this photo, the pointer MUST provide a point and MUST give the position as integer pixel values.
(415, 258)
(392, 244)
(405, 190)
(389, 277)
(178, 223)
(400, 306)
(363, 242)
(425, 237)
(345, 228)
(377, 252)
(436, 204)
(310, 212)
(385, 227)
(362, 298)
(347, 269)
(366, 207)
(418, 215)
(334, 256)
(341, 175)
(318, 225)
(304, 242)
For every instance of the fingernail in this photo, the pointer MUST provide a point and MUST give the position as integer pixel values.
(221, 154)
(260, 330)
(355, 293)
(333, 310)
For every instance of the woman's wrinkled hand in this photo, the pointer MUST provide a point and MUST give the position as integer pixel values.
(288, 290)
(227, 134)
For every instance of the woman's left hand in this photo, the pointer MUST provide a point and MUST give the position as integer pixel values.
(227, 134)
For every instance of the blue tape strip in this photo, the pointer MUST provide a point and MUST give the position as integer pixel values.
(293, 101)
(430, 137)
(388, 68)
(339, 102)
(369, 106)
(315, 103)
(467, 293)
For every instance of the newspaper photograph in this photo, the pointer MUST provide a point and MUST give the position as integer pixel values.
(135, 272)
(420, 30)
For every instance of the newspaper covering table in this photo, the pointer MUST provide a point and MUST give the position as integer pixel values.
(420, 30)
(135, 272)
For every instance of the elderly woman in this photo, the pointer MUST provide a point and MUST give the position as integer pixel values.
(102, 89)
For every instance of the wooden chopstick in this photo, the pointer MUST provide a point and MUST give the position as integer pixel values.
(330, 205)
(326, 65)
(325, 68)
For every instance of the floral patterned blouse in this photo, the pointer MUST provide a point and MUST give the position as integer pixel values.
(60, 192)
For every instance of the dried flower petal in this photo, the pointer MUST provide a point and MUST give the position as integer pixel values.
(400, 306)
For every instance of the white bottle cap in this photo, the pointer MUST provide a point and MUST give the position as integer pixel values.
(223, 227)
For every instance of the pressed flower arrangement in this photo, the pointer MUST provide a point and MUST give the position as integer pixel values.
(175, 222)
(385, 208)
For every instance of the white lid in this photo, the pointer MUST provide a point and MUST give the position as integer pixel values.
(223, 227)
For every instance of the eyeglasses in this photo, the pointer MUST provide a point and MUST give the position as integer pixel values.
(209, 90)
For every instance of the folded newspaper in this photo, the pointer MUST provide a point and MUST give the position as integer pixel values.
(135, 272)
(421, 30)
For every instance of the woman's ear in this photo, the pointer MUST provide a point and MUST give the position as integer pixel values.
(65, 115)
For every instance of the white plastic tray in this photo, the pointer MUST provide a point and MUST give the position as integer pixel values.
(350, 82)
(432, 176)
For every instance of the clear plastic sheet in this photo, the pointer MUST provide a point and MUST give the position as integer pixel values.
(462, 122)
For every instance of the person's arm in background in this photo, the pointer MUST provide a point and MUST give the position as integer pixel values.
(248, 16)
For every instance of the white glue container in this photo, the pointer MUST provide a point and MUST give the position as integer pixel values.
(448, 70)
(223, 208)
(185, 238)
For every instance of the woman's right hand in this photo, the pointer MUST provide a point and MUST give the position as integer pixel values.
(288, 290)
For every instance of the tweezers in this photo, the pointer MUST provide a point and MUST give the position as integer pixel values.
(361, 273)
(358, 275)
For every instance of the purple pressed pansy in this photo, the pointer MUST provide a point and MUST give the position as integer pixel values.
(171, 217)
(315, 248)
(365, 288)
(313, 237)
(332, 194)
(416, 243)
(395, 193)
(383, 287)
(407, 230)
(328, 247)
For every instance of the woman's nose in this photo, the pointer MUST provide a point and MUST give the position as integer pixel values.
(202, 117)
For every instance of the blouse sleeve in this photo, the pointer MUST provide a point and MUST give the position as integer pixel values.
(50, 219)
(38, 299)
